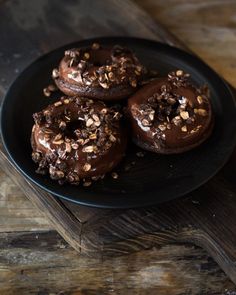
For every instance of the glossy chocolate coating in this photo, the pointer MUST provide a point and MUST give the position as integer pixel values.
(178, 117)
(76, 138)
(97, 72)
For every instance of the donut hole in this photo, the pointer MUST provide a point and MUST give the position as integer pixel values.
(72, 127)
(100, 57)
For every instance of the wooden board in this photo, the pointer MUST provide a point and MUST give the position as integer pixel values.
(198, 218)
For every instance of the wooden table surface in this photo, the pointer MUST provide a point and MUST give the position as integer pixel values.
(35, 260)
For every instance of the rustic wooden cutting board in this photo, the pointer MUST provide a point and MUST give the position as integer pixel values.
(204, 217)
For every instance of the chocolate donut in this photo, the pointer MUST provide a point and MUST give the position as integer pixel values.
(170, 115)
(77, 139)
(98, 72)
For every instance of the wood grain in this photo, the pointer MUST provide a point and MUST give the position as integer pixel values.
(32, 25)
(208, 28)
(42, 263)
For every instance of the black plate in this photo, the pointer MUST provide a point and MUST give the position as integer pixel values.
(154, 178)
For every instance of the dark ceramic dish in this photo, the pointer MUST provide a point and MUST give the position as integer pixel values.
(152, 179)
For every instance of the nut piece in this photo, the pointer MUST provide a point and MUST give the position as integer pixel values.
(104, 85)
(58, 103)
(133, 83)
(145, 123)
(87, 183)
(112, 138)
(93, 136)
(75, 146)
(201, 112)
(199, 99)
(88, 149)
(95, 46)
(46, 92)
(89, 122)
(179, 73)
(184, 128)
(95, 118)
(140, 154)
(86, 55)
(177, 120)
(114, 175)
(184, 115)
(87, 167)
(58, 142)
(162, 127)
(55, 73)
(52, 87)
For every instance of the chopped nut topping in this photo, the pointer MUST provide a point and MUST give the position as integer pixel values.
(36, 157)
(86, 55)
(95, 118)
(162, 127)
(88, 149)
(177, 120)
(184, 128)
(145, 123)
(66, 101)
(140, 154)
(75, 146)
(93, 136)
(58, 142)
(57, 174)
(72, 53)
(46, 92)
(179, 73)
(87, 183)
(58, 103)
(104, 85)
(97, 124)
(184, 115)
(95, 46)
(55, 73)
(87, 167)
(201, 112)
(111, 75)
(151, 115)
(80, 141)
(89, 122)
(133, 83)
(52, 87)
(195, 129)
(112, 138)
(199, 99)
(114, 175)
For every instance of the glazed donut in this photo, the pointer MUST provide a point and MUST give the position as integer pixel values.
(170, 115)
(98, 72)
(77, 139)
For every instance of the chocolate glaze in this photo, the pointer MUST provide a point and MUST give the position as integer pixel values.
(77, 138)
(170, 115)
(97, 72)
